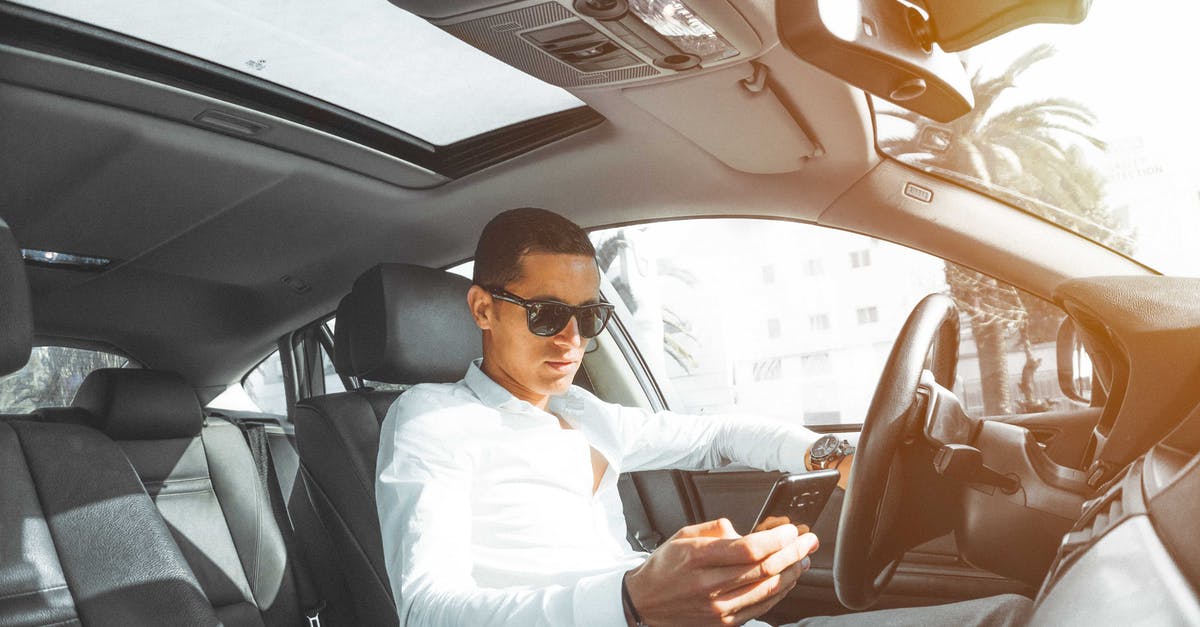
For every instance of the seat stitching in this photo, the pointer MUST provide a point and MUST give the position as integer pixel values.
(258, 531)
(54, 539)
(31, 592)
(180, 480)
(229, 527)
(184, 493)
(69, 621)
(344, 526)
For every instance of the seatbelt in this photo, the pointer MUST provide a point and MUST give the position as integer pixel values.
(644, 536)
(260, 449)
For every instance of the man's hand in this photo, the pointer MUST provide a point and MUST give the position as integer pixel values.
(708, 575)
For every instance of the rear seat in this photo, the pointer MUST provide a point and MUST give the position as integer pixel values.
(200, 474)
(80, 541)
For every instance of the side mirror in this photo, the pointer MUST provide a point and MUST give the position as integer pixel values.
(1074, 364)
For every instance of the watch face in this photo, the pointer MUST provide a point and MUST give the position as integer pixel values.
(824, 447)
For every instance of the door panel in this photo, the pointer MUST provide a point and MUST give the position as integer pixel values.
(929, 574)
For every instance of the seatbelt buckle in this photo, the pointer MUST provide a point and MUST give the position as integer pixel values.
(314, 615)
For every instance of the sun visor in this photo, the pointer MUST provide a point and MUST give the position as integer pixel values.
(734, 115)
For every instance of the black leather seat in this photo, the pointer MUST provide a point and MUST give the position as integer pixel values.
(80, 541)
(400, 324)
(204, 481)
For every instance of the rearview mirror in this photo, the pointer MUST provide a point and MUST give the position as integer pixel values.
(1074, 364)
(876, 46)
(897, 50)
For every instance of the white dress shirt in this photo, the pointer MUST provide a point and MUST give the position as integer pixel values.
(486, 504)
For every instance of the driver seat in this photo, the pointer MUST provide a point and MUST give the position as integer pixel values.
(400, 325)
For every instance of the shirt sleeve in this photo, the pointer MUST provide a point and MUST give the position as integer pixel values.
(423, 499)
(662, 440)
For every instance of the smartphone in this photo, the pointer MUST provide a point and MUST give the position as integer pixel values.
(797, 500)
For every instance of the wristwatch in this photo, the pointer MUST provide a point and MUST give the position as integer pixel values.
(827, 451)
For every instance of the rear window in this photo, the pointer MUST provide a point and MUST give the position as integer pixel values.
(52, 376)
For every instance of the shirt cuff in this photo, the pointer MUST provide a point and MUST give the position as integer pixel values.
(598, 600)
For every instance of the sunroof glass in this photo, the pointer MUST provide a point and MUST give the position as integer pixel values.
(367, 56)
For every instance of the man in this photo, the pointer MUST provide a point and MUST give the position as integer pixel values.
(498, 497)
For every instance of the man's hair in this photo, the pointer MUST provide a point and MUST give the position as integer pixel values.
(518, 232)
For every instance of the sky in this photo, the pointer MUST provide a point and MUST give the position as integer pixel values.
(365, 55)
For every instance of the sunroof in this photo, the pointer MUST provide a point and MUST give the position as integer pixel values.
(367, 56)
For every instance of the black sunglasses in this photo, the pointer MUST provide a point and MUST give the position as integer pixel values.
(546, 318)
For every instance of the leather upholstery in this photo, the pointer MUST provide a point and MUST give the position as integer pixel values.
(338, 437)
(16, 331)
(33, 588)
(120, 563)
(400, 324)
(135, 404)
(203, 480)
(407, 324)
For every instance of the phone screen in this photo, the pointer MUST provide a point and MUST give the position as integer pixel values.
(797, 500)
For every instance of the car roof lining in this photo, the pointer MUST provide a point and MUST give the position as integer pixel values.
(205, 226)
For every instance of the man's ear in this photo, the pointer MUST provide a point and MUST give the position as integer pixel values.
(480, 302)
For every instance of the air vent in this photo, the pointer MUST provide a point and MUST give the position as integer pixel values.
(581, 46)
(1094, 523)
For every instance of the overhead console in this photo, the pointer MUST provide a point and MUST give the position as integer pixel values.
(588, 43)
(723, 103)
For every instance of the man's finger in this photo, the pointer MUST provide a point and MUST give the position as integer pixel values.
(750, 548)
(719, 528)
(725, 578)
(768, 590)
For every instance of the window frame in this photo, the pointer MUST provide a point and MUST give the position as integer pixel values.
(643, 371)
(79, 345)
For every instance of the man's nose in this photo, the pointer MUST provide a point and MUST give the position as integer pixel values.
(569, 336)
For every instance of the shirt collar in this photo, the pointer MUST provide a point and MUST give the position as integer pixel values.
(494, 395)
(485, 389)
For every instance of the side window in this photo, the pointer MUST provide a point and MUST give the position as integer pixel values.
(265, 387)
(51, 378)
(795, 321)
(333, 381)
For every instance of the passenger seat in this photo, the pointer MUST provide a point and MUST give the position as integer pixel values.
(200, 474)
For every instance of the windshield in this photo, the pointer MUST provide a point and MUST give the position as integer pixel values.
(367, 56)
(1091, 126)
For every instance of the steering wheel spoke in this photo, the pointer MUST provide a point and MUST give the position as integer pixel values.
(893, 499)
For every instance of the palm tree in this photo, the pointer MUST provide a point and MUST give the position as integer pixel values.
(1034, 149)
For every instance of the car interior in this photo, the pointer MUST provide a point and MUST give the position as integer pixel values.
(206, 228)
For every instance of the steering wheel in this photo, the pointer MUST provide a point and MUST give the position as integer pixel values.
(867, 551)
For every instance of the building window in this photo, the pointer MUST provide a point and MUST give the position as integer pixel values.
(773, 328)
(860, 258)
(868, 315)
(819, 322)
(768, 273)
(812, 267)
(815, 364)
(768, 369)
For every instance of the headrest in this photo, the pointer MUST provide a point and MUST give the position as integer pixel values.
(135, 404)
(406, 324)
(16, 313)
